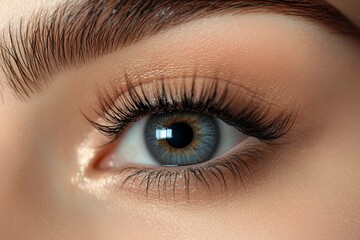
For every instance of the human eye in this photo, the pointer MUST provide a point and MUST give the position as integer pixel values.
(174, 138)
(185, 137)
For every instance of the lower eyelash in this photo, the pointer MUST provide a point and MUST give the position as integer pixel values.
(245, 111)
(184, 182)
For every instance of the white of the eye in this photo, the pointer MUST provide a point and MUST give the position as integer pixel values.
(229, 138)
(132, 148)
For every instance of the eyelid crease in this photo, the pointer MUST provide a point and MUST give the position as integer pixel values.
(121, 106)
(76, 31)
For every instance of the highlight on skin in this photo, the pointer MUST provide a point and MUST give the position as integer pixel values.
(214, 98)
(87, 84)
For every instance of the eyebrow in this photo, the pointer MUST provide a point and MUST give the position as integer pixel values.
(75, 32)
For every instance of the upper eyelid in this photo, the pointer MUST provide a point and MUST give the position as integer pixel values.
(113, 93)
(79, 31)
(131, 84)
(116, 107)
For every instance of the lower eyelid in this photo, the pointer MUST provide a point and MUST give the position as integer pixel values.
(204, 181)
(212, 178)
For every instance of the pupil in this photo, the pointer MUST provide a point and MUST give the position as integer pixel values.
(182, 135)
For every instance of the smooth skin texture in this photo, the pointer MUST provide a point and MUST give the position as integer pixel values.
(311, 192)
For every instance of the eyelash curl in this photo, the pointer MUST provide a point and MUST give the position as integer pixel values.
(119, 108)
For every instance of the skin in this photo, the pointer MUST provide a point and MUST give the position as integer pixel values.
(309, 193)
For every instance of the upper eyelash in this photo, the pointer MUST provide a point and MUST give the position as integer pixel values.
(119, 110)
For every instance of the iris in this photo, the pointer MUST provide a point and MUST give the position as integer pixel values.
(181, 138)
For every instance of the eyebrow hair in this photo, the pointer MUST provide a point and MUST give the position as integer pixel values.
(75, 32)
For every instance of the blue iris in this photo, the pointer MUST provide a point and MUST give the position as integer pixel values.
(181, 138)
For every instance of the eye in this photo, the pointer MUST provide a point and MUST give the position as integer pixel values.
(174, 139)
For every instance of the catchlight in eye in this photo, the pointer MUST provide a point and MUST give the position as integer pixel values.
(176, 139)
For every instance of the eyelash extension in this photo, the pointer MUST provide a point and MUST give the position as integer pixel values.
(118, 110)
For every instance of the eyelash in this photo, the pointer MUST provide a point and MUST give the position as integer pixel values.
(181, 181)
(119, 109)
(251, 119)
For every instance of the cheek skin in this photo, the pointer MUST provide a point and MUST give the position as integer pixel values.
(305, 195)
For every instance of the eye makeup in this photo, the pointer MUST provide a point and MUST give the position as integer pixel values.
(255, 87)
(210, 96)
(214, 97)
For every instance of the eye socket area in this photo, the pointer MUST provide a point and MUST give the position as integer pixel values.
(244, 124)
(173, 139)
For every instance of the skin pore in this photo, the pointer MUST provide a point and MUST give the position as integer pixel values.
(50, 187)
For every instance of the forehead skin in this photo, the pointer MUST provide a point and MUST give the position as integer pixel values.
(14, 11)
